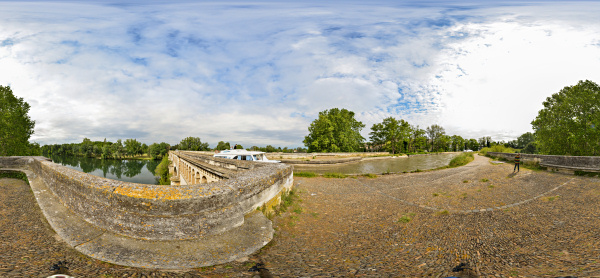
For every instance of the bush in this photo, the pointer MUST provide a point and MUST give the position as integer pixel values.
(498, 149)
(305, 174)
(461, 159)
(162, 171)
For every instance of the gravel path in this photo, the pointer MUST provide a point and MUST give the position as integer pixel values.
(532, 224)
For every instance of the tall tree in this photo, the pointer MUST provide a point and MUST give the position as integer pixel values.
(335, 131)
(133, 147)
(193, 144)
(390, 133)
(435, 132)
(569, 123)
(525, 139)
(15, 125)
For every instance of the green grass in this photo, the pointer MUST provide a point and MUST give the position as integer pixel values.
(484, 180)
(491, 186)
(406, 218)
(588, 174)
(443, 212)
(305, 174)
(371, 176)
(14, 175)
(417, 171)
(334, 175)
(461, 159)
(465, 181)
(435, 194)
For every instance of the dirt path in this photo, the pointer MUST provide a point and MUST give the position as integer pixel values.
(533, 224)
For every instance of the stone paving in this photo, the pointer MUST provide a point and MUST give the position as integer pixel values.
(532, 224)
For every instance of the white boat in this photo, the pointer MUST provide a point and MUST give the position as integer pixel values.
(244, 155)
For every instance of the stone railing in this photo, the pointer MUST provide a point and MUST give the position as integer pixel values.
(557, 162)
(159, 214)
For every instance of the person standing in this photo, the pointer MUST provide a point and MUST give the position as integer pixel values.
(517, 162)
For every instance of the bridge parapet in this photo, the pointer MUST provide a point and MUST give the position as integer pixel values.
(164, 212)
(558, 163)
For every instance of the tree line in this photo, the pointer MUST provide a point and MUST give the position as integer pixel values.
(569, 124)
(336, 130)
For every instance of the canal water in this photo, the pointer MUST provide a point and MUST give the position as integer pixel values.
(137, 171)
(382, 165)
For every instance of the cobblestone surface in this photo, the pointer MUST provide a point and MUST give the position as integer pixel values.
(532, 224)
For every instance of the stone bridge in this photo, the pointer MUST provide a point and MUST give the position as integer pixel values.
(207, 216)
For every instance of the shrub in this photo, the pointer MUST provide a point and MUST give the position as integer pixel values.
(461, 159)
(498, 149)
(305, 174)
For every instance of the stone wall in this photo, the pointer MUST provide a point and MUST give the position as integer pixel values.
(573, 163)
(160, 212)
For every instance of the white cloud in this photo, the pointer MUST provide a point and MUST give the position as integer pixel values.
(259, 73)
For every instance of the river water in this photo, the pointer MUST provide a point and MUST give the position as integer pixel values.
(141, 171)
(382, 165)
(137, 171)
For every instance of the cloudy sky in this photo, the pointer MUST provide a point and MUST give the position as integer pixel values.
(258, 73)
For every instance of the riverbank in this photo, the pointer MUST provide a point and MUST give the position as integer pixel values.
(528, 224)
(349, 158)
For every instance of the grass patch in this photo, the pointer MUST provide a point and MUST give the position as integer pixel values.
(535, 166)
(305, 174)
(334, 175)
(417, 171)
(484, 180)
(491, 186)
(461, 159)
(464, 195)
(586, 174)
(406, 218)
(314, 214)
(14, 175)
(371, 176)
(465, 181)
(550, 198)
(443, 212)
(435, 194)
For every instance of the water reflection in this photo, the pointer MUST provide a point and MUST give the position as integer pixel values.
(138, 171)
(383, 165)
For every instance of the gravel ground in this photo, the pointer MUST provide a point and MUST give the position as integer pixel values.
(533, 224)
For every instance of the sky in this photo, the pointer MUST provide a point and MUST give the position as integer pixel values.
(259, 72)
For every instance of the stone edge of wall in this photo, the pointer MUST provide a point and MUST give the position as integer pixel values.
(154, 212)
(563, 163)
(255, 232)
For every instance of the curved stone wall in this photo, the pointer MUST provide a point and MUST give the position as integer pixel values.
(583, 163)
(161, 212)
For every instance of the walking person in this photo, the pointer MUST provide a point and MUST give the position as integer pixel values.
(517, 162)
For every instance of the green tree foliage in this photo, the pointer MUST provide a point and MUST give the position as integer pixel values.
(223, 146)
(435, 132)
(390, 133)
(458, 143)
(162, 171)
(524, 140)
(473, 145)
(335, 131)
(569, 123)
(156, 151)
(133, 147)
(193, 144)
(15, 125)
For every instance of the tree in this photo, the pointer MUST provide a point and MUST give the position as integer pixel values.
(335, 131)
(569, 123)
(473, 145)
(435, 132)
(15, 125)
(390, 133)
(223, 146)
(419, 141)
(458, 143)
(193, 144)
(133, 147)
(524, 140)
